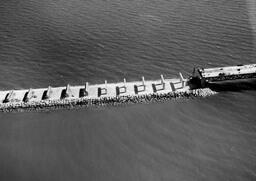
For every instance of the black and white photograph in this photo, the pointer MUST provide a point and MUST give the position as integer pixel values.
(127, 90)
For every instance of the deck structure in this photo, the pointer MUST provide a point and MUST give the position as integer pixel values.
(228, 73)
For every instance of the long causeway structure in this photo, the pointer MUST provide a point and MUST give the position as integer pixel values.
(122, 92)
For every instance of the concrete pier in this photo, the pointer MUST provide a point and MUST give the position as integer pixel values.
(28, 95)
(182, 80)
(121, 89)
(159, 86)
(67, 92)
(91, 92)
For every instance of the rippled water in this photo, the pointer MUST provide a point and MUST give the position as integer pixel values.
(60, 42)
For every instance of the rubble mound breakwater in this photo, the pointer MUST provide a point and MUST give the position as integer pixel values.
(104, 101)
(124, 92)
(113, 94)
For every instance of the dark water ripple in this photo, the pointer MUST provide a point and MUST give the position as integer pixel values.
(60, 42)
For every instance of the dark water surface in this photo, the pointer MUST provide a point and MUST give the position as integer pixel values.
(73, 41)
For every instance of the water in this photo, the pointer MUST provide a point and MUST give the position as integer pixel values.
(58, 42)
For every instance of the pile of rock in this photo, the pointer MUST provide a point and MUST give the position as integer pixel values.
(103, 101)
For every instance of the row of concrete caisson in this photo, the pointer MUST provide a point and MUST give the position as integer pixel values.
(104, 101)
(102, 90)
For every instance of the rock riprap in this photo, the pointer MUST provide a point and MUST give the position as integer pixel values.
(103, 101)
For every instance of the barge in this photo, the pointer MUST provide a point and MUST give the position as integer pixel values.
(208, 77)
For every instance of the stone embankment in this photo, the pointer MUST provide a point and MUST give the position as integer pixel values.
(103, 101)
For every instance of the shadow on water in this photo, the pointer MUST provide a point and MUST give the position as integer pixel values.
(233, 86)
